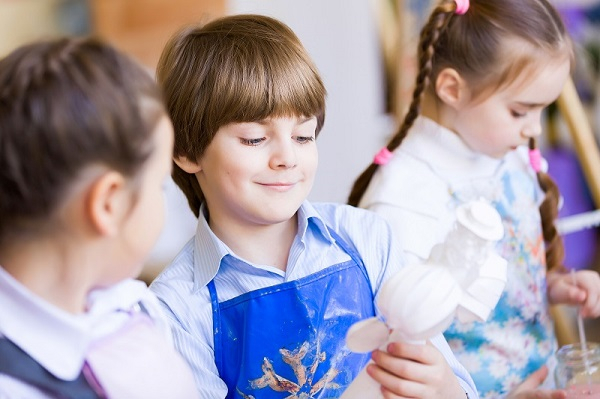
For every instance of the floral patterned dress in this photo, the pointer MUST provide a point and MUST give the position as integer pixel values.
(518, 337)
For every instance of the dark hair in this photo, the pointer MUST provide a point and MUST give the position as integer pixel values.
(66, 104)
(489, 46)
(239, 68)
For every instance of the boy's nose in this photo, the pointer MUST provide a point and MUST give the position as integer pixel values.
(284, 156)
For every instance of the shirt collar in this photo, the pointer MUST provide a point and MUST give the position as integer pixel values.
(56, 339)
(309, 220)
(445, 151)
(209, 250)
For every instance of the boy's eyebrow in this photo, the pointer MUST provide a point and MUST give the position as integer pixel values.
(301, 120)
(307, 118)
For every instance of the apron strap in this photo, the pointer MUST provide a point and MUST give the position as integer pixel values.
(350, 250)
(217, 330)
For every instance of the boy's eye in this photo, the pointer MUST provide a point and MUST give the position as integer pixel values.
(252, 142)
(516, 114)
(304, 139)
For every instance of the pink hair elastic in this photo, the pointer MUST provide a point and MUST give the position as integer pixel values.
(383, 156)
(461, 6)
(535, 159)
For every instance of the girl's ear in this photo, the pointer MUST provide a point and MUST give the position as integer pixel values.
(188, 166)
(107, 203)
(451, 88)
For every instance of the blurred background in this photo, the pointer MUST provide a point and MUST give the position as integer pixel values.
(342, 36)
(364, 50)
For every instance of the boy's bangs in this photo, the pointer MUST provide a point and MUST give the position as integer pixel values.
(272, 88)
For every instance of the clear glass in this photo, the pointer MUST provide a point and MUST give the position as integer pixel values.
(578, 370)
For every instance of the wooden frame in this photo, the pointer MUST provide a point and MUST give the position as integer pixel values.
(586, 147)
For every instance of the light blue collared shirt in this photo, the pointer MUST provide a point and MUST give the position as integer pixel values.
(181, 287)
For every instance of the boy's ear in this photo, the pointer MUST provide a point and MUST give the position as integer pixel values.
(188, 166)
(451, 88)
(108, 201)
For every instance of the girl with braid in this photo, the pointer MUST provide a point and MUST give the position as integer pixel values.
(487, 70)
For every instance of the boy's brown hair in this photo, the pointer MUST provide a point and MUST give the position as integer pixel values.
(240, 68)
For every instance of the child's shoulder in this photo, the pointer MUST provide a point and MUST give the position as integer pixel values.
(179, 272)
(349, 220)
(368, 233)
(329, 210)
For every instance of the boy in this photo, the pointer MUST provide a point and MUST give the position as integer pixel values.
(261, 298)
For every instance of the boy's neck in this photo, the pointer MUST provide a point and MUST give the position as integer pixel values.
(267, 245)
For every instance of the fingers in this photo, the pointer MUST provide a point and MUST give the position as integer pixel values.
(529, 388)
(403, 361)
(422, 353)
(533, 380)
(539, 394)
(415, 371)
(581, 288)
(394, 387)
(562, 290)
(589, 281)
(557, 395)
(591, 307)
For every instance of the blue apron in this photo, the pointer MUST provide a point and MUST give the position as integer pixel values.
(288, 340)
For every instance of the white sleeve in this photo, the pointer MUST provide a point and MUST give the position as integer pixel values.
(464, 378)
